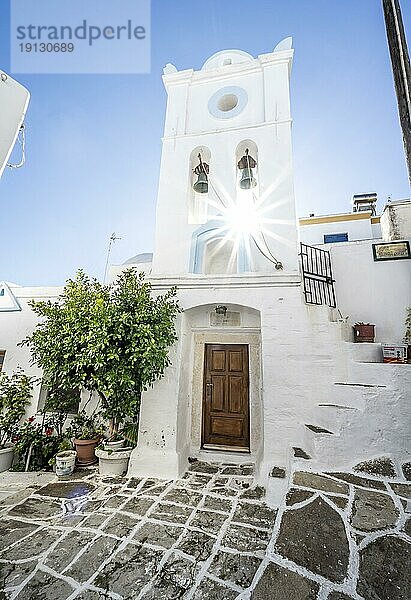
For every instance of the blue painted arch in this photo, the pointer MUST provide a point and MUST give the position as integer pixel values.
(204, 234)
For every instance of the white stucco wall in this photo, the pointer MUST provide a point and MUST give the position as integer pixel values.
(372, 292)
(298, 355)
(297, 359)
(265, 120)
(16, 326)
(396, 220)
(359, 229)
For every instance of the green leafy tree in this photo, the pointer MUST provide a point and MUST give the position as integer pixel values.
(110, 339)
(15, 395)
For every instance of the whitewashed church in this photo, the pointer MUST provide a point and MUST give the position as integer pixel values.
(265, 370)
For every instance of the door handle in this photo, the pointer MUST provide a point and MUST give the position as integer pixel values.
(209, 387)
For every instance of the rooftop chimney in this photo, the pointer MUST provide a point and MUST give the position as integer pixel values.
(365, 203)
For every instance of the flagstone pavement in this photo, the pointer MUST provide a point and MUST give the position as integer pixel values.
(207, 536)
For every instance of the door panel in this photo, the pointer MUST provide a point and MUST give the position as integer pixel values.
(232, 428)
(218, 360)
(235, 361)
(226, 396)
(235, 388)
(217, 392)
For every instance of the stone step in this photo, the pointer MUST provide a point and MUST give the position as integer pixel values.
(309, 435)
(379, 374)
(320, 314)
(318, 429)
(333, 416)
(352, 394)
(366, 432)
(364, 352)
(301, 453)
(277, 485)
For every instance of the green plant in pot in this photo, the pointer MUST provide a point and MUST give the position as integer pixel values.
(15, 395)
(112, 340)
(87, 431)
(37, 442)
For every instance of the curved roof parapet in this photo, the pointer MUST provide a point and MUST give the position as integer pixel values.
(139, 259)
(226, 57)
(169, 68)
(285, 44)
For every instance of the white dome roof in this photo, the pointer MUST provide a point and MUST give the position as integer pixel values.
(226, 57)
(146, 257)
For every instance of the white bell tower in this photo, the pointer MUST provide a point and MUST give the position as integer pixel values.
(228, 130)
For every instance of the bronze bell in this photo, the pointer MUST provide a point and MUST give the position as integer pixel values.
(246, 165)
(201, 170)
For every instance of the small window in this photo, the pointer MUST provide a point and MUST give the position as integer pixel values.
(2, 355)
(331, 238)
(227, 102)
(71, 399)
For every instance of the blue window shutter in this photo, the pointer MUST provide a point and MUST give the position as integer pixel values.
(331, 238)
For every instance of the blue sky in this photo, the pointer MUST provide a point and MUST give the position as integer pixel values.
(93, 148)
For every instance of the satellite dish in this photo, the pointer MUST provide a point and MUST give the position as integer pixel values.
(14, 99)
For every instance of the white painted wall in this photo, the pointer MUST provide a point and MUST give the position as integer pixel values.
(362, 229)
(367, 422)
(372, 292)
(265, 120)
(301, 351)
(297, 359)
(396, 220)
(16, 326)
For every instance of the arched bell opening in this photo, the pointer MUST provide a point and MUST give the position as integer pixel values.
(198, 189)
(220, 256)
(247, 166)
(214, 251)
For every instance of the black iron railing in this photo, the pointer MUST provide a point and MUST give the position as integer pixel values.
(318, 282)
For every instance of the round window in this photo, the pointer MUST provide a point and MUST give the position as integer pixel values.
(227, 102)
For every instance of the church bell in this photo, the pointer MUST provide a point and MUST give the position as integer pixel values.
(246, 165)
(201, 170)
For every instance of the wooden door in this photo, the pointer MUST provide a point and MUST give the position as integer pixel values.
(226, 397)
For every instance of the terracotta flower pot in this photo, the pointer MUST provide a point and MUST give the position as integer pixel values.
(86, 451)
(364, 332)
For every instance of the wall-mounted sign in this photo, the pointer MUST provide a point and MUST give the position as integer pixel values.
(391, 250)
(230, 319)
(394, 354)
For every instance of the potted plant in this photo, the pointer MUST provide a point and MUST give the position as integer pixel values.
(364, 332)
(87, 431)
(65, 459)
(15, 395)
(114, 453)
(112, 340)
(37, 443)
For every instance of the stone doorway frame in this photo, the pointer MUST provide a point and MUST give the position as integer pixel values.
(253, 341)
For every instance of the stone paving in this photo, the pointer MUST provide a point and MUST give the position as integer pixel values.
(208, 536)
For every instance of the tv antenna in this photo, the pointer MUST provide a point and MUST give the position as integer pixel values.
(113, 238)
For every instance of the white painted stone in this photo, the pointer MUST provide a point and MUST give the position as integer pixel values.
(396, 220)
